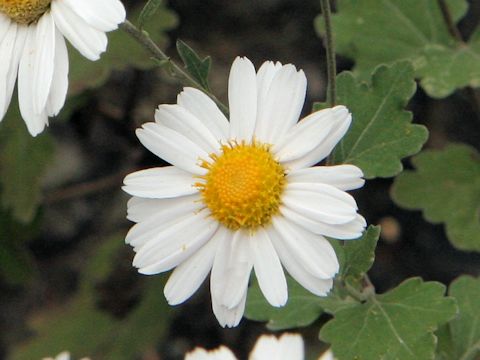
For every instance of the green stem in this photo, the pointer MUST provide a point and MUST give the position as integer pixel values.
(330, 48)
(144, 39)
(447, 17)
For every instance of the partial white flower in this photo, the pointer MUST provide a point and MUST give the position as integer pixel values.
(286, 347)
(222, 353)
(32, 46)
(243, 194)
(267, 347)
(327, 355)
(65, 355)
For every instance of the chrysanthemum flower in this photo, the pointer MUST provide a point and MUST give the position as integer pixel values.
(243, 194)
(267, 347)
(32, 45)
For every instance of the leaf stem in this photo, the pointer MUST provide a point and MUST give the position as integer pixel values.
(447, 17)
(330, 48)
(146, 41)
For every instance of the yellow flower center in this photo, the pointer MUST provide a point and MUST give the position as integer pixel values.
(243, 185)
(24, 11)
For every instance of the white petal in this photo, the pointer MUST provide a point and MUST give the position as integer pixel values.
(43, 61)
(343, 177)
(313, 251)
(242, 97)
(221, 353)
(287, 347)
(177, 118)
(59, 87)
(5, 24)
(141, 209)
(229, 317)
(350, 230)
(174, 245)
(103, 15)
(265, 75)
(200, 105)
(291, 347)
(317, 286)
(11, 49)
(173, 147)
(189, 275)
(304, 136)
(268, 269)
(159, 183)
(231, 268)
(26, 97)
(89, 41)
(164, 216)
(282, 106)
(320, 202)
(341, 120)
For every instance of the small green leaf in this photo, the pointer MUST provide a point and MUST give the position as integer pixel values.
(460, 339)
(359, 254)
(395, 325)
(381, 133)
(446, 187)
(23, 162)
(376, 32)
(302, 307)
(148, 11)
(196, 67)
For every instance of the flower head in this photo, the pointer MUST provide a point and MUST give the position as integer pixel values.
(32, 46)
(243, 194)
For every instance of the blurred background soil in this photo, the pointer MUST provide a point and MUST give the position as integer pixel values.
(97, 147)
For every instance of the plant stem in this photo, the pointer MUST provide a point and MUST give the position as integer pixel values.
(330, 47)
(447, 17)
(144, 39)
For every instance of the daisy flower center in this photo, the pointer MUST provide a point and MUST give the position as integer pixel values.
(243, 185)
(24, 11)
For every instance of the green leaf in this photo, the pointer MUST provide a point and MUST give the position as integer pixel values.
(85, 330)
(122, 52)
(381, 133)
(360, 254)
(396, 325)
(23, 162)
(376, 32)
(148, 11)
(446, 187)
(460, 339)
(198, 68)
(302, 307)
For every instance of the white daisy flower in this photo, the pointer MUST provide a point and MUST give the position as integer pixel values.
(32, 46)
(243, 194)
(267, 347)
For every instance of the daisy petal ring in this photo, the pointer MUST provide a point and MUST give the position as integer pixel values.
(243, 194)
(32, 46)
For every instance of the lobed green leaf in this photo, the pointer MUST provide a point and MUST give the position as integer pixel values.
(381, 133)
(376, 32)
(446, 187)
(396, 325)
